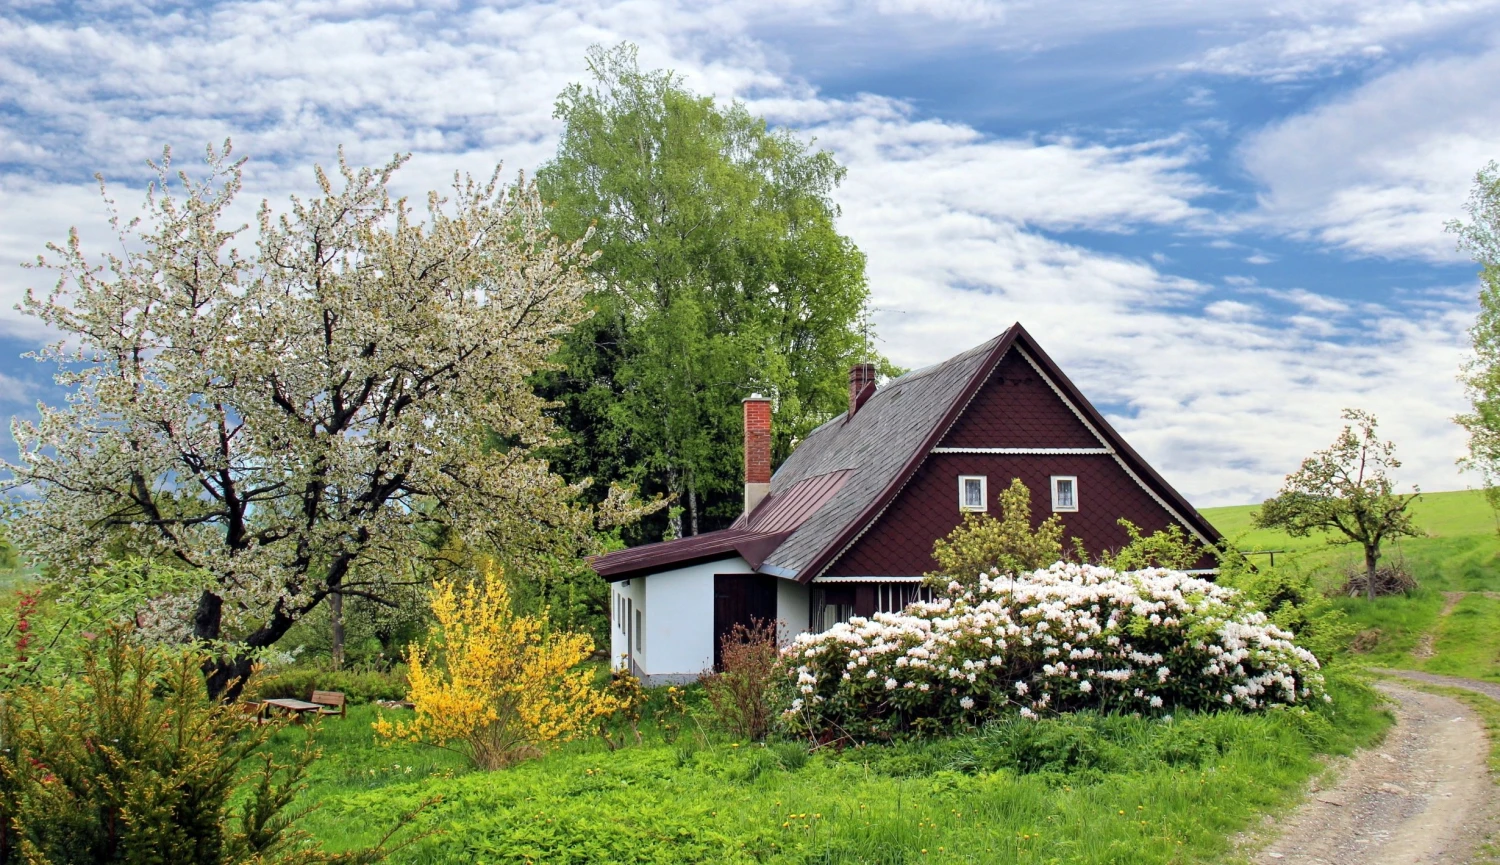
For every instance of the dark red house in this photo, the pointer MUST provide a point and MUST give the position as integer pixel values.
(846, 525)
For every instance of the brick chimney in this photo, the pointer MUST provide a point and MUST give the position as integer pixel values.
(861, 386)
(757, 450)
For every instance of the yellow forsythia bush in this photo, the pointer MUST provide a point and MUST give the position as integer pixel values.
(493, 685)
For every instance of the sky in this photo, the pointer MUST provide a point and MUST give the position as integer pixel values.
(1224, 220)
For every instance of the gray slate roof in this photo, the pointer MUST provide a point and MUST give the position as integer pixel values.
(875, 444)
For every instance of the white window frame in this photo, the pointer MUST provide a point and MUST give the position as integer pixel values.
(1059, 508)
(984, 493)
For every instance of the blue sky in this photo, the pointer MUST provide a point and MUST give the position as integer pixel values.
(1224, 220)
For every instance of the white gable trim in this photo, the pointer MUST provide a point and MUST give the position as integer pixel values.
(867, 579)
(1135, 477)
(1028, 451)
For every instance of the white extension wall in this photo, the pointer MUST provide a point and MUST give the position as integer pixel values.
(678, 609)
(792, 609)
(680, 619)
(635, 592)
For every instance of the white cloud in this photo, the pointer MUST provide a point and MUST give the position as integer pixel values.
(955, 223)
(1224, 404)
(1293, 40)
(1379, 171)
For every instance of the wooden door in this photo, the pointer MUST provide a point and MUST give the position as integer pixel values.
(743, 599)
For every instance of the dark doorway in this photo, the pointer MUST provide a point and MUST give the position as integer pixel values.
(740, 599)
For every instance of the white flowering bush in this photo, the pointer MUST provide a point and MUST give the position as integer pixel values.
(1065, 638)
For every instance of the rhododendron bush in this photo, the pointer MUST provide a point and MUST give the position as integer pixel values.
(1065, 638)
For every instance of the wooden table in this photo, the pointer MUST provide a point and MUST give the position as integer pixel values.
(295, 707)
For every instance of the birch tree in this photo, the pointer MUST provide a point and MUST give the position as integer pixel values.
(287, 422)
(1480, 237)
(722, 273)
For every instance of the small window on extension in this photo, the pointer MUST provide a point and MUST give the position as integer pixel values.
(1064, 493)
(638, 629)
(972, 495)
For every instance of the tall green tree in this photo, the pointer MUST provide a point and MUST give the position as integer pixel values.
(720, 273)
(1480, 237)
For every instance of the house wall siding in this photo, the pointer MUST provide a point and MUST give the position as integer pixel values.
(619, 648)
(900, 542)
(1015, 408)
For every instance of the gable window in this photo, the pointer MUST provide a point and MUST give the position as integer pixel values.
(971, 493)
(1064, 493)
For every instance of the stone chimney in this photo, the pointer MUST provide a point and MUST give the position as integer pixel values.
(861, 386)
(757, 450)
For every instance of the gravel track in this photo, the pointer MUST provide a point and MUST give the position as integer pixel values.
(1423, 796)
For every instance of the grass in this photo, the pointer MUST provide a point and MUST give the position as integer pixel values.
(1084, 789)
(1464, 513)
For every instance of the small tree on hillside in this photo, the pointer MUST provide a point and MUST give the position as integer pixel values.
(1346, 492)
(1009, 545)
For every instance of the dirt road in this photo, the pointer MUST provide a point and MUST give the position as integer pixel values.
(1423, 796)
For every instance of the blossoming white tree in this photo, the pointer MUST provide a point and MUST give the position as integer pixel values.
(288, 422)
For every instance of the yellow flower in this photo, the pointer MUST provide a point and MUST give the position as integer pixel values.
(498, 686)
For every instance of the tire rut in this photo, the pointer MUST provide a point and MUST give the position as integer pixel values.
(1423, 796)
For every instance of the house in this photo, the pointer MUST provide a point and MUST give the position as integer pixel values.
(846, 525)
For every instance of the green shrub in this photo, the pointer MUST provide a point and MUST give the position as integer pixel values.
(1291, 599)
(136, 764)
(740, 691)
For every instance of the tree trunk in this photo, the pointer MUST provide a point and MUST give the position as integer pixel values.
(675, 520)
(226, 677)
(336, 620)
(223, 677)
(1372, 555)
(693, 506)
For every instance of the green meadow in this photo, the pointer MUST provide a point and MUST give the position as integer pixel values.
(1076, 789)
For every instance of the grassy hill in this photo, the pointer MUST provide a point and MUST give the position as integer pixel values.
(1465, 513)
(1451, 624)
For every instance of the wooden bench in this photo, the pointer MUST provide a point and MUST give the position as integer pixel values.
(332, 702)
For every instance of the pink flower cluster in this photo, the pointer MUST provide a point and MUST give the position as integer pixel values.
(1065, 638)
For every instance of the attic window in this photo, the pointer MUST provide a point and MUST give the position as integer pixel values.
(1064, 493)
(971, 493)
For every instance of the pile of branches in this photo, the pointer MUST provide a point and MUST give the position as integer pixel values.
(1393, 579)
